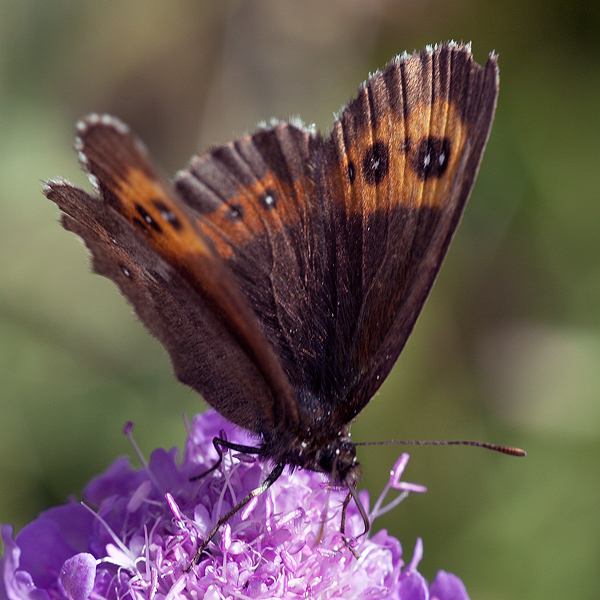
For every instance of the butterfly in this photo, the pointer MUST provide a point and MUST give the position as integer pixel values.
(284, 271)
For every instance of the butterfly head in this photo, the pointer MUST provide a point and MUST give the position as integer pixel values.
(325, 450)
(339, 460)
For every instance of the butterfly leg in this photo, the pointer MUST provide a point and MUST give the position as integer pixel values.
(352, 494)
(267, 483)
(219, 444)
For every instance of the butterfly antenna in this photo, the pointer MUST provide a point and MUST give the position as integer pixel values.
(510, 450)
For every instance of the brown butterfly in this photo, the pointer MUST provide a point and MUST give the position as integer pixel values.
(284, 271)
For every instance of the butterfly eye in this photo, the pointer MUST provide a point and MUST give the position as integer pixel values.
(326, 460)
(376, 163)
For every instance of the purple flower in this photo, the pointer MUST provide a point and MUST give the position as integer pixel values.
(146, 526)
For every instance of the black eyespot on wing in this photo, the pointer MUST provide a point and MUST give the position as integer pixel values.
(268, 199)
(235, 212)
(431, 157)
(167, 214)
(147, 218)
(351, 172)
(376, 163)
(126, 271)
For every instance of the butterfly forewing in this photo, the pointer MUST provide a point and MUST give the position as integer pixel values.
(396, 174)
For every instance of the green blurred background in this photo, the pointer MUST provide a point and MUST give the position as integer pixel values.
(507, 348)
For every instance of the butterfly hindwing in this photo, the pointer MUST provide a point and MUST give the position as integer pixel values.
(143, 238)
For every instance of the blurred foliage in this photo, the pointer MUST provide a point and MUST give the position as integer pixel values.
(507, 348)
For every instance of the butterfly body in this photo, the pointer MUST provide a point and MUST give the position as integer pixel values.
(284, 271)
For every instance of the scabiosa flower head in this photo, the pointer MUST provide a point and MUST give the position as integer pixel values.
(142, 533)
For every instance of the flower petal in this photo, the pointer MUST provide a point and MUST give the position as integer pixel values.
(77, 576)
(447, 586)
